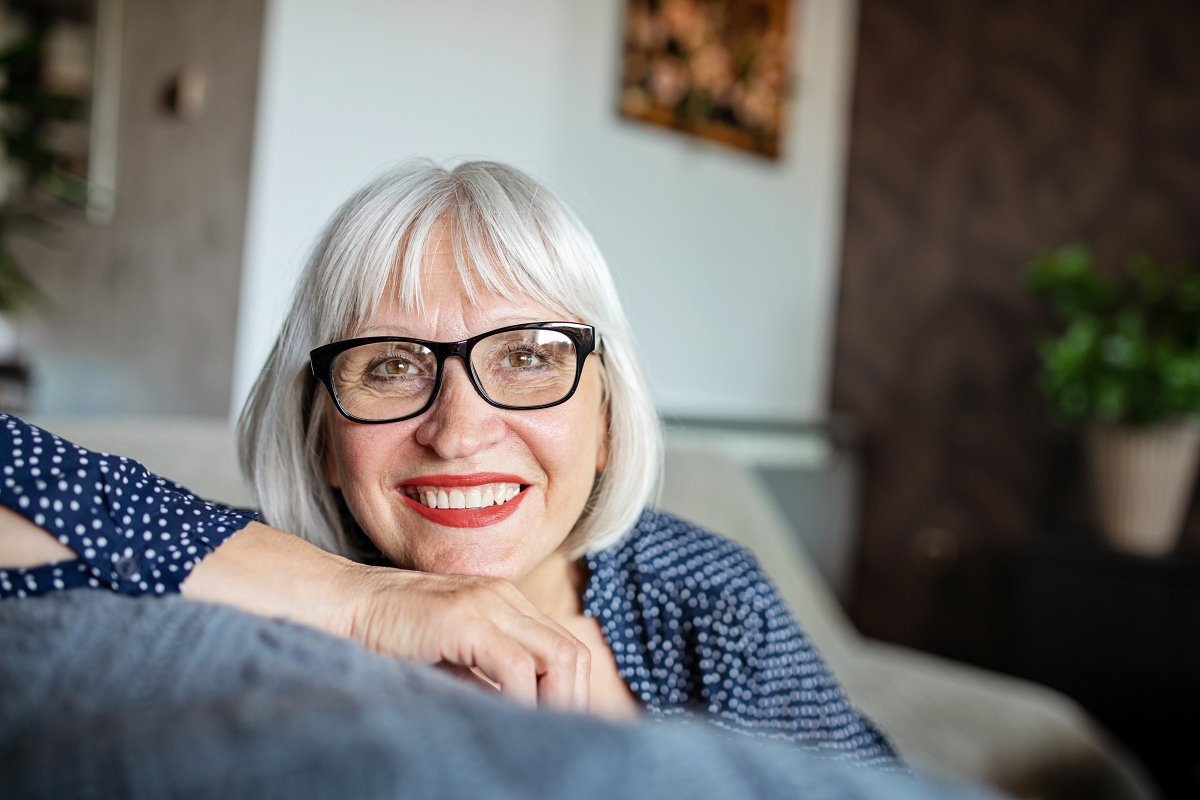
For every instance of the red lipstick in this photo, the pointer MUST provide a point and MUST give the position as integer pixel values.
(464, 517)
(474, 479)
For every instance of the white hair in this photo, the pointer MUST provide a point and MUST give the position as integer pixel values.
(512, 238)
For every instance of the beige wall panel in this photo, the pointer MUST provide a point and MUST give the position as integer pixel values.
(143, 310)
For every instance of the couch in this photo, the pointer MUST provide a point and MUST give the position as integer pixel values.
(944, 717)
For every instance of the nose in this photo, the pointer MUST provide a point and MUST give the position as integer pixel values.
(460, 423)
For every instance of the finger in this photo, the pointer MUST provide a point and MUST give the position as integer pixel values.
(467, 675)
(557, 661)
(563, 663)
(503, 659)
(558, 675)
(564, 670)
(477, 673)
(583, 680)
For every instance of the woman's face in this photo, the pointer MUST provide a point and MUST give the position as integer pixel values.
(463, 444)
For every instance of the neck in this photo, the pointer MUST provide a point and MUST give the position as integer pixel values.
(555, 587)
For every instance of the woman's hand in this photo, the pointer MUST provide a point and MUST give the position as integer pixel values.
(465, 621)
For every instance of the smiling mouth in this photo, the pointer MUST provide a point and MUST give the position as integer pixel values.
(482, 496)
(464, 501)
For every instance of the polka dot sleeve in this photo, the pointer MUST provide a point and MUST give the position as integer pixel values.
(696, 628)
(134, 532)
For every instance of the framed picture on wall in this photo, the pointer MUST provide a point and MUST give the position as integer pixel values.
(714, 69)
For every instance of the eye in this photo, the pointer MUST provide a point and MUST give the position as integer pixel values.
(396, 366)
(520, 359)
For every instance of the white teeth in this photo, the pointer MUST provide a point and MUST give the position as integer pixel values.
(466, 497)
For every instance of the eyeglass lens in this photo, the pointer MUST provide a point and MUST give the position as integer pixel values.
(521, 368)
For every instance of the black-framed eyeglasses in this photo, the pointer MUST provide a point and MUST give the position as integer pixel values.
(381, 379)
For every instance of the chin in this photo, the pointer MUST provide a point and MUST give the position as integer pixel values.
(463, 555)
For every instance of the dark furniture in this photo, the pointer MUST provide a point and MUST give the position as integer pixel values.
(1121, 635)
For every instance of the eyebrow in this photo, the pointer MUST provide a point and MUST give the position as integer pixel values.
(499, 322)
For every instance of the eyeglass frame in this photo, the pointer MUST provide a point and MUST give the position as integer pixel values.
(321, 359)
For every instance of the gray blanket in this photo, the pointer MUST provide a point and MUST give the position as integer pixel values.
(105, 696)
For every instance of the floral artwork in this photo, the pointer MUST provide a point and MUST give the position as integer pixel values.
(717, 69)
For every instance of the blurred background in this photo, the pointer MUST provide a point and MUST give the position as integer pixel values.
(821, 215)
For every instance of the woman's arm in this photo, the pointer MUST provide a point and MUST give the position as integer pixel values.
(468, 622)
(465, 621)
(23, 544)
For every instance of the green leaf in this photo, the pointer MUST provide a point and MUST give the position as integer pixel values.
(1127, 350)
(26, 49)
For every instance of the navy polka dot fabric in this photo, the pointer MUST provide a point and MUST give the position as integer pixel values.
(696, 627)
(135, 533)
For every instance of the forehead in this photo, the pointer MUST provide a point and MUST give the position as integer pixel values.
(449, 309)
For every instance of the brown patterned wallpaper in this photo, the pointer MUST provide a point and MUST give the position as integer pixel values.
(984, 130)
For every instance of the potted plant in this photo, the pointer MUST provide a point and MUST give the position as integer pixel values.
(1125, 367)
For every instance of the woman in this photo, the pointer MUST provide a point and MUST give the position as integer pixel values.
(455, 393)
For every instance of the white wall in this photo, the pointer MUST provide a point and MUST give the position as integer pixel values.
(348, 87)
(705, 240)
(702, 240)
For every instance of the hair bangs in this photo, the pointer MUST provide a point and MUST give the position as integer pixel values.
(501, 248)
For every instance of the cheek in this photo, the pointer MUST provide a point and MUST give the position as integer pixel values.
(360, 457)
(562, 445)
(567, 441)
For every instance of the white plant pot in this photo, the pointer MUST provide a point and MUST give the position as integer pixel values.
(1141, 481)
